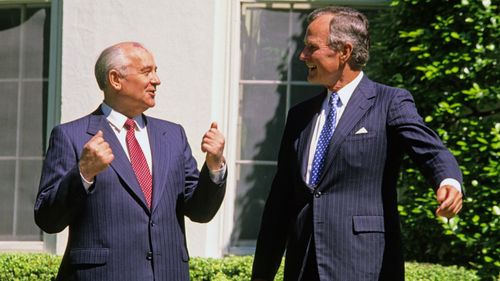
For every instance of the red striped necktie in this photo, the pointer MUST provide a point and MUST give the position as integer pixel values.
(139, 163)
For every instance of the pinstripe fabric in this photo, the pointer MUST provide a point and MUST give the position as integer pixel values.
(113, 235)
(352, 214)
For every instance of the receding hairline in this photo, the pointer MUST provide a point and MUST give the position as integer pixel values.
(116, 57)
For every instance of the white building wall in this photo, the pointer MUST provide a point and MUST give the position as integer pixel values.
(188, 40)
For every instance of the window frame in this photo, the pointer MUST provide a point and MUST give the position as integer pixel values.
(48, 241)
(235, 88)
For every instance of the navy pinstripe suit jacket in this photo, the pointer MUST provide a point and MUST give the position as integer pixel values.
(112, 234)
(352, 213)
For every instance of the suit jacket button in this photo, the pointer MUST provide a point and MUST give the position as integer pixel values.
(317, 194)
(149, 256)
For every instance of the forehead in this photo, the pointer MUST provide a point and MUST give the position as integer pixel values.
(319, 28)
(139, 57)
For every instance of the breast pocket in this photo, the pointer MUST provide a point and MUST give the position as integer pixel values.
(360, 149)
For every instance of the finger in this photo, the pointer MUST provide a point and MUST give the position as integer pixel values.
(447, 203)
(214, 125)
(451, 210)
(96, 140)
(443, 213)
(208, 148)
(441, 194)
(457, 205)
(108, 158)
(98, 135)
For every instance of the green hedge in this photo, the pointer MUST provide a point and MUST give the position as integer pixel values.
(43, 267)
(28, 267)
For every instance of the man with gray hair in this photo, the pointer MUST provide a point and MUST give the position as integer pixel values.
(333, 201)
(123, 181)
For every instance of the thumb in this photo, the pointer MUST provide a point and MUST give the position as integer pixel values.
(214, 125)
(98, 134)
(441, 194)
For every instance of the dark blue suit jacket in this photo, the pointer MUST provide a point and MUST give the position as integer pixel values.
(352, 213)
(112, 234)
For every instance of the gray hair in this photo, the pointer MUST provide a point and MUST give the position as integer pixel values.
(113, 57)
(347, 26)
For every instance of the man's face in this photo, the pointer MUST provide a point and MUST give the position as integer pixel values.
(323, 62)
(139, 81)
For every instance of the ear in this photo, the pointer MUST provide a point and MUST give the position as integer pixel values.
(346, 52)
(114, 79)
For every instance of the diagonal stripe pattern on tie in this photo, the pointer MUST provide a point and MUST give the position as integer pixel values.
(138, 161)
(324, 141)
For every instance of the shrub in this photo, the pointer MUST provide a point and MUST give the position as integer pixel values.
(447, 54)
(240, 268)
(43, 267)
(28, 267)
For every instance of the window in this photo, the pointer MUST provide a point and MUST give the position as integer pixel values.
(272, 80)
(24, 51)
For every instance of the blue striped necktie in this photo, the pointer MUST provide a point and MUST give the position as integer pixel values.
(324, 141)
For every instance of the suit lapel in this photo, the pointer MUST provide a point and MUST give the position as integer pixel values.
(121, 163)
(361, 100)
(160, 153)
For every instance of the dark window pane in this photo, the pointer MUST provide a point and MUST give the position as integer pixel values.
(8, 118)
(27, 189)
(9, 42)
(24, 53)
(7, 174)
(36, 43)
(262, 111)
(252, 189)
(264, 44)
(32, 118)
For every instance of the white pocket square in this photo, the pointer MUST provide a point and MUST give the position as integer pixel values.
(361, 131)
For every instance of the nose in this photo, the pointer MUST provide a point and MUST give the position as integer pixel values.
(303, 54)
(155, 79)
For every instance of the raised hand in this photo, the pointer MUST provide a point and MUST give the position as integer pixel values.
(96, 156)
(213, 144)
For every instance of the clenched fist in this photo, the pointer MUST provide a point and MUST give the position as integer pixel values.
(96, 156)
(450, 201)
(213, 144)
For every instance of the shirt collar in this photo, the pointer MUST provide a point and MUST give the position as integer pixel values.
(346, 92)
(117, 120)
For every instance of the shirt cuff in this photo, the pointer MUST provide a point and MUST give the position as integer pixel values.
(86, 183)
(452, 182)
(218, 176)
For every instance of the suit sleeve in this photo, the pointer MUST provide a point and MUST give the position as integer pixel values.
(422, 144)
(273, 234)
(61, 192)
(203, 197)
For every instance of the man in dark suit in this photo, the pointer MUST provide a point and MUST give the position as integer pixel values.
(123, 181)
(333, 204)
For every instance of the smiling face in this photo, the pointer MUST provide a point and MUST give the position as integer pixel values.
(325, 65)
(135, 83)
